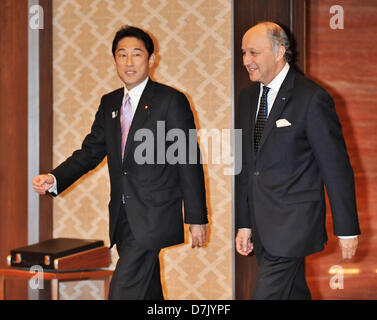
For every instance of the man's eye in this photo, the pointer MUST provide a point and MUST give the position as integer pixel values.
(252, 53)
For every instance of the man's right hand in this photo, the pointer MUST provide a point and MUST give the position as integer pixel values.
(244, 246)
(42, 183)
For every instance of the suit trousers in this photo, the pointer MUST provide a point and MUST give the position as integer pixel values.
(137, 273)
(280, 278)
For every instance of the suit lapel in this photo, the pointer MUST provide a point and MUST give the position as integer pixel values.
(278, 106)
(115, 117)
(141, 115)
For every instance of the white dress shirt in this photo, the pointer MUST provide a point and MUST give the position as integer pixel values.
(135, 94)
(274, 86)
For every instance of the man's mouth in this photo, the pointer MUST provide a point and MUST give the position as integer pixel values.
(252, 69)
(130, 73)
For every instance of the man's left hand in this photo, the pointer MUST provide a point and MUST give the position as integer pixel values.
(198, 234)
(348, 247)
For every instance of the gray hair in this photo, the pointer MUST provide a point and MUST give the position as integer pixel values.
(278, 37)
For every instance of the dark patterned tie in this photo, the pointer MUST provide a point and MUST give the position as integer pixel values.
(261, 118)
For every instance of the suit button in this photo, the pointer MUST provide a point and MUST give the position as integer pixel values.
(256, 173)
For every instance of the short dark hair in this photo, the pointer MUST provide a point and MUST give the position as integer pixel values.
(133, 32)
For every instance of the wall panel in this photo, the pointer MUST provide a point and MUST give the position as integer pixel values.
(194, 55)
(290, 14)
(344, 61)
(13, 133)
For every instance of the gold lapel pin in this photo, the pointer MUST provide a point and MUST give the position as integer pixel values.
(146, 107)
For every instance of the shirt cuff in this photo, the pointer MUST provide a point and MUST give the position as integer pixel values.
(347, 237)
(54, 188)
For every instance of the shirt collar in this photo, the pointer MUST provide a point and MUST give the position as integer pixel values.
(136, 92)
(276, 83)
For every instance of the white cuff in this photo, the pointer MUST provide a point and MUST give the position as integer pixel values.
(54, 188)
(347, 237)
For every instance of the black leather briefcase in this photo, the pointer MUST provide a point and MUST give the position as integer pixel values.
(47, 252)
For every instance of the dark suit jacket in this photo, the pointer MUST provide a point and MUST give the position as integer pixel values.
(280, 190)
(153, 192)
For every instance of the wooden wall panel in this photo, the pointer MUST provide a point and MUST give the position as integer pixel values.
(14, 24)
(45, 116)
(344, 61)
(291, 15)
(13, 132)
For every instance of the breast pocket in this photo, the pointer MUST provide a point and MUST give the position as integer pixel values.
(284, 137)
(285, 129)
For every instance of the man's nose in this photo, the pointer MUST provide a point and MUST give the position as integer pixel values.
(129, 60)
(247, 59)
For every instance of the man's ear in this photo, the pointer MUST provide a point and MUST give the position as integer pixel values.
(280, 53)
(152, 59)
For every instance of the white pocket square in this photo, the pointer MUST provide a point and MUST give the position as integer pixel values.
(282, 123)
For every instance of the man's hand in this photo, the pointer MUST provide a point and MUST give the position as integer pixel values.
(348, 247)
(198, 234)
(244, 246)
(43, 183)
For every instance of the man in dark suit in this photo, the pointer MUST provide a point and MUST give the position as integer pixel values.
(146, 191)
(292, 147)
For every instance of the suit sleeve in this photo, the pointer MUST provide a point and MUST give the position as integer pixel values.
(325, 136)
(91, 153)
(242, 216)
(179, 116)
